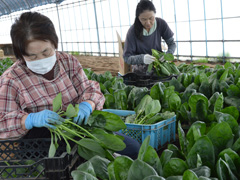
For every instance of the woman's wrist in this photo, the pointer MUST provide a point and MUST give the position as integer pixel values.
(23, 121)
(92, 104)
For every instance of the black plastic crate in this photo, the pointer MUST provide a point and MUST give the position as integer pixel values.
(144, 80)
(28, 159)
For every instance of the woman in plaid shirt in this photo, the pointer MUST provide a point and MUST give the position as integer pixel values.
(28, 87)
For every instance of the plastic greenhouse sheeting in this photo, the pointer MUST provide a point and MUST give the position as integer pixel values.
(10, 6)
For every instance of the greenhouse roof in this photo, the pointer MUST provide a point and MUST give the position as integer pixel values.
(10, 6)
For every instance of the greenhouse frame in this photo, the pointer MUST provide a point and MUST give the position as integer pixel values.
(89, 26)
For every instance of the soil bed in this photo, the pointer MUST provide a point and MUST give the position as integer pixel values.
(100, 64)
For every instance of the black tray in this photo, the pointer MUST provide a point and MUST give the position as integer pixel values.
(144, 80)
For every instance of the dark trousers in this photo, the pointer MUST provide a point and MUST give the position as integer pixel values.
(132, 146)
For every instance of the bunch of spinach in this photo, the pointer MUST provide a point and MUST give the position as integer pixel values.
(95, 138)
(148, 112)
(163, 68)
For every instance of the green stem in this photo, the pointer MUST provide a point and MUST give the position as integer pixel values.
(142, 120)
(66, 141)
(71, 131)
(66, 136)
(84, 130)
(136, 119)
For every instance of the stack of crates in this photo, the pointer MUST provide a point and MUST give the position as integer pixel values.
(28, 159)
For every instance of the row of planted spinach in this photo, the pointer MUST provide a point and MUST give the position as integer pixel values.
(206, 99)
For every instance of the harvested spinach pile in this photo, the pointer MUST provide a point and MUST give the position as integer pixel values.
(161, 65)
(95, 138)
(148, 112)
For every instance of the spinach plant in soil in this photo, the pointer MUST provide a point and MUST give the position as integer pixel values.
(204, 154)
(95, 138)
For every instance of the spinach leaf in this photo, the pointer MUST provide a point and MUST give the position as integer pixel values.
(120, 97)
(109, 101)
(196, 130)
(87, 167)
(174, 167)
(223, 171)
(154, 177)
(230, 120)
(106, 120)
(76, 174)
(174, 102)
(194, 98)
(231, 110)
(189, 174)
(109, 141)
(100, 166)
(122, 165)
(204, 171)
(204, 147)
(88, 148)
(221, 136)
(139, 170)
(151, 157)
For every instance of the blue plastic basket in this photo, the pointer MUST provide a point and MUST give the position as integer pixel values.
(160, 133)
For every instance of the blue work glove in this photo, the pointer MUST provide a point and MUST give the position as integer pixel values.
(85, 109)
(43, 118)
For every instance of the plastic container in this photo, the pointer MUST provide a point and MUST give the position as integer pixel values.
(27, 159)
(160, 133)
(144, 80)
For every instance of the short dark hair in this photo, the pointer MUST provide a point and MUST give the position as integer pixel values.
(142, 6)
(28, 27)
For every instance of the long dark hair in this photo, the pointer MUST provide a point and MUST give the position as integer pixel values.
(31, 26)
(142, 6)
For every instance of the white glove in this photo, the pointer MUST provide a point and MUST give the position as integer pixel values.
(148, 59)
(162, 59)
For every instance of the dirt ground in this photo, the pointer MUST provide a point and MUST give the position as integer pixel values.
(100, 64)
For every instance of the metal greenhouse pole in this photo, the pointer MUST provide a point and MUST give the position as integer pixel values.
(96, 21)
(104, 31)
(84, 45)
(190, 30)
(129, 14)
(89, 29)
(60, 30)
(120, 19)
(222, 33)
(205, 23)
(175, 19)
(75, 20)
(111, 24)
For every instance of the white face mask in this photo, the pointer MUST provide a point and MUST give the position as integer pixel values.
(42, 66)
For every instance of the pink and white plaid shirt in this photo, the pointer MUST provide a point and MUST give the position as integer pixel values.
(22, 92)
